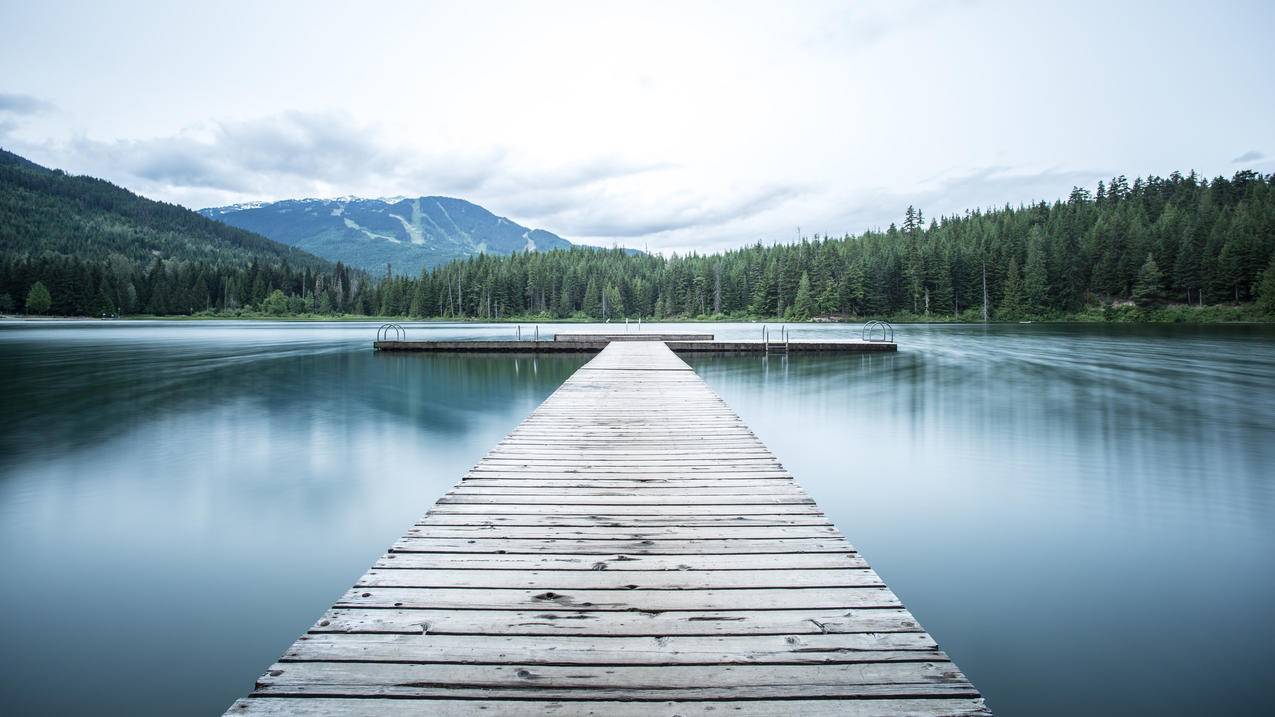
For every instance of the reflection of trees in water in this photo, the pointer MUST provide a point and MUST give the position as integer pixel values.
(1130, 408)
(62, 397)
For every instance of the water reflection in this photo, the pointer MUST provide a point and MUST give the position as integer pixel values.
(1065, 504)
(1081, 515)
(176, 505)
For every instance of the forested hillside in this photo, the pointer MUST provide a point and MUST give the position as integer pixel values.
(1153, 241)
(95, 248)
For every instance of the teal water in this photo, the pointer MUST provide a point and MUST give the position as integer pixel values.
(1083, 516)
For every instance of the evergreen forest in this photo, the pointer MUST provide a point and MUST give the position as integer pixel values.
(1147, 243)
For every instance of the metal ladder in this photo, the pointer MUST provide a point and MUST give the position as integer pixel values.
(391, 332)
(777, 346)
(873, 329)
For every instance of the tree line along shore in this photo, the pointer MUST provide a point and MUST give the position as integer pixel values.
(1181, 248)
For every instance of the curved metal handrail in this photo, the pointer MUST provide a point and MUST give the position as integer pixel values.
(870, 331)
(784, 337)
(384, 332)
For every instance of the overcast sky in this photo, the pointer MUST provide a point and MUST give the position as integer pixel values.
(675, 126)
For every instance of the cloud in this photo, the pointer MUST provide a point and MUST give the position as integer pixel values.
(1252, 155)
(606, 198)
(955, 193)
(618, 218)
(17, 110)
(834, 212)
(20, 104)
(603, 199)
(292, 154)
(324, 154)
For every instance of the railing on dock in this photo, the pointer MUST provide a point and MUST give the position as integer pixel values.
(780, 345)
(871, 329)
(387, 330)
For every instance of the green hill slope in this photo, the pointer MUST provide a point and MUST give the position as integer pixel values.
(46, 210)
(99, 248)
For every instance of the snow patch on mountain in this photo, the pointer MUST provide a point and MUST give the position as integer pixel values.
(369, 233)
(413, 231)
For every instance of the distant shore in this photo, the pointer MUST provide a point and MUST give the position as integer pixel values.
(1118, 314)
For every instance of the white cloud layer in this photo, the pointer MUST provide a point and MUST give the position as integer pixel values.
(677, 126)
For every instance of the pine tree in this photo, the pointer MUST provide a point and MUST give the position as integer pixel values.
(130, 298)
(104, 305)
(854, 288)
(1188, 272)
(38, 299)
(1148, 289)
(803, 306)
(1035, 279)
(1012, 296)
(592, 305)
(614, 302)
(764, 293)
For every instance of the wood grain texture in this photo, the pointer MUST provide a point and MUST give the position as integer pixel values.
(631, 548)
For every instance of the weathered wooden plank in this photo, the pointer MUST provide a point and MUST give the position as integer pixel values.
(815, 649)
(787, 488)
(621, 563)
(631, 444)
(568, 580)
(655, 465)
(576, 475)
(598, 469)
(626, 418)
(585, 484)
(634, 521)
(654, 600)
(629, 454)
(596, 430)
(645, 546)
(646, 683)
(336, 707)
(661, 510)
(624, 532)
(614, 624)
(454, 499)
(740, 439)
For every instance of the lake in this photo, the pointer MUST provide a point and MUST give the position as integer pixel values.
(1083, 516)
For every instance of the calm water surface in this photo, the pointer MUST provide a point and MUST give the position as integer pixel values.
(1083, 516)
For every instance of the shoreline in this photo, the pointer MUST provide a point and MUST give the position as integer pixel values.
(1069, 320)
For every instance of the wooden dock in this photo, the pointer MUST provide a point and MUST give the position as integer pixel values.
(635, 336)
(630, 549)
(591, 343)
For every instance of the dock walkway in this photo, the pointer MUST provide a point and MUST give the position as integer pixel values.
(630, 549)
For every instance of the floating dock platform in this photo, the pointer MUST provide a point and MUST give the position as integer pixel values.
(593, 343)
(631, 549)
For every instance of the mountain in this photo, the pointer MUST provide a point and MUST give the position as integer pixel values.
(47, 211)
(409, 234)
